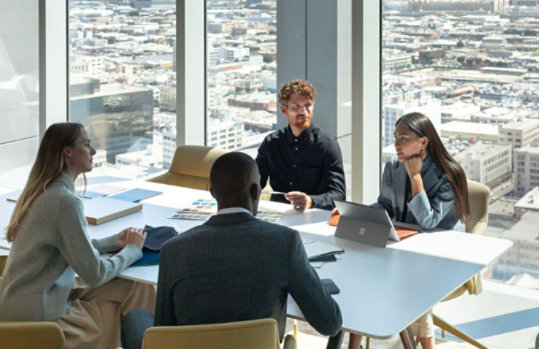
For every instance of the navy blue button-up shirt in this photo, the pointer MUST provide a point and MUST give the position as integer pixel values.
(310, 163)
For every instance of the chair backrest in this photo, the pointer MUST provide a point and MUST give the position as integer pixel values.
(22, 335)
(478, 198)
(252, 334)
(3, 260)
(191, 167)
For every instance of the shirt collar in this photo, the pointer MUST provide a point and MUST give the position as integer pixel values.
(291, 139)
(230, 210)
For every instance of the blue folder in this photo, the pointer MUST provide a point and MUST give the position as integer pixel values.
(135, 195)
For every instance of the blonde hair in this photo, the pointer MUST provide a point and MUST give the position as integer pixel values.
(49, 164)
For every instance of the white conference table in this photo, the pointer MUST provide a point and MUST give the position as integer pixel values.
(383, 290)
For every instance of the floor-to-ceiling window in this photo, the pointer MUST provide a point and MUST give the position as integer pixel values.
(122, 82)
(241, 45)
(472, 68)
(19, 91)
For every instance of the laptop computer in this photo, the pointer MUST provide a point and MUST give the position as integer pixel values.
(365, 224)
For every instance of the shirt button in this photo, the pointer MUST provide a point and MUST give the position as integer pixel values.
(296, 148)
(294, 166)
(290, 183)
(295, 139)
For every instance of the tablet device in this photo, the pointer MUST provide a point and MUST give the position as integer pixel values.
(365, 224)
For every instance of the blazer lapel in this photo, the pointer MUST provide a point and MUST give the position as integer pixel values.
(430, 175)
(399, 188)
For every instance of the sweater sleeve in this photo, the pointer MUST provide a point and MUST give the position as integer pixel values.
(319, 308)
(79, 253)
(108, 244)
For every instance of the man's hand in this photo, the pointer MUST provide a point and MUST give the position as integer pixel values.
(131, 236)
(300, 201)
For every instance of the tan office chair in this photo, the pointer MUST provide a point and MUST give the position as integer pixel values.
(3, 260)
(252, 334)
(478, 199)
(22, 335)
(190, 167)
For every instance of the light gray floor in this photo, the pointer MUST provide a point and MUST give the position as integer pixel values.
(500, 317)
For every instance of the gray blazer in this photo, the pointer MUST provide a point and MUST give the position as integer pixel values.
(433, 208)
(236, 267)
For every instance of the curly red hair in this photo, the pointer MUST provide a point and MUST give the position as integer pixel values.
(299, 86)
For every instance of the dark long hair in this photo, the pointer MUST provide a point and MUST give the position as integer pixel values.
(49, 164)
(423, 127)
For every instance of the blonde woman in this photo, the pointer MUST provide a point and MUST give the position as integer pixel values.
(50, 244)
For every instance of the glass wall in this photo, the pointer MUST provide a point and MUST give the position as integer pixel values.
(19, 92)
(122, 82)
(472, 68)
(241, 72)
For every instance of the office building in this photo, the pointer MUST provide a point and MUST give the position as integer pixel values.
(495, 115)
(391, 113)
(167, 98)
(458, 111)
(523, 257)
(226, 135)
(526, 167)
(519, 133)
(116, 116)
(449, 6)
(169, 145)
(489, 164)
(469, 131)
(396, 61)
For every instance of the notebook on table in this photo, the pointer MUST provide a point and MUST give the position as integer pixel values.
(104, 209)
(367, 224)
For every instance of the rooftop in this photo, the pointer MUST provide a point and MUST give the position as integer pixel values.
(530, 201)
(470, 127)
(520, 124)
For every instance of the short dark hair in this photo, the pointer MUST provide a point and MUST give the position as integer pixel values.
(230, 175)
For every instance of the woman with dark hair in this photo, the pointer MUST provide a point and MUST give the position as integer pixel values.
(422, 185)
(50, 244)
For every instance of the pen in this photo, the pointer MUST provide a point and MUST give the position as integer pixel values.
(273, 192)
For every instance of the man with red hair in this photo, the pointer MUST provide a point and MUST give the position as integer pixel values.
(300, 159)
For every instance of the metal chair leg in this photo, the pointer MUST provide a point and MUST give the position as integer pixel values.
(407, 338)
(447, 327)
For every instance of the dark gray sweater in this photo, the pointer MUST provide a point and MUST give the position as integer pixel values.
(51, 246)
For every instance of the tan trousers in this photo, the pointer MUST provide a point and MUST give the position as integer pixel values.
(424, 325)
(94, 319)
